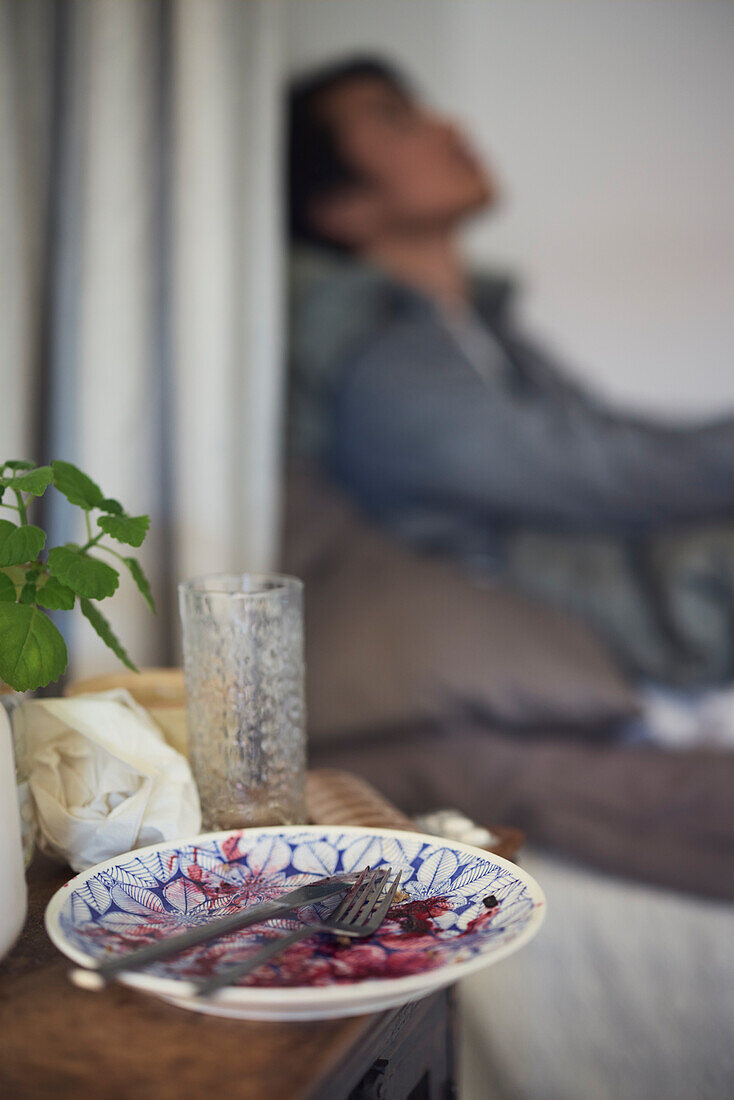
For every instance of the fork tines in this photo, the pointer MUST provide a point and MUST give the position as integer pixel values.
(361, 902)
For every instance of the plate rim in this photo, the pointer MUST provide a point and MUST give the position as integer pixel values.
(309, 996)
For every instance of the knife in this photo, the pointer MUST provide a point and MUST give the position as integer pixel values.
(96, 977)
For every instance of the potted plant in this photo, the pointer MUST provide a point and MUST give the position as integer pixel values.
(34, 580)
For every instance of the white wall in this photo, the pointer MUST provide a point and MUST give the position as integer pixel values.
(611, 125)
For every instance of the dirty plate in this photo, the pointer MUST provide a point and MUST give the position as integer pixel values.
(463, 909)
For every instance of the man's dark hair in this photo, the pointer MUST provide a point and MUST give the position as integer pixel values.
(316, 167)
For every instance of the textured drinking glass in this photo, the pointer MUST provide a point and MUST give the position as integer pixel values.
(243, 665)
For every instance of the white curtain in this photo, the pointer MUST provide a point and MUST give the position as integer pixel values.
(140, 311)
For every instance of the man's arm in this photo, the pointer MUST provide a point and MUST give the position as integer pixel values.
(416, 430)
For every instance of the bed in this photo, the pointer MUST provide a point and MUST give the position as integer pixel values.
(629, 991)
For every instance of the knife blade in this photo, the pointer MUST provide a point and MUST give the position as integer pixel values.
(96, 977)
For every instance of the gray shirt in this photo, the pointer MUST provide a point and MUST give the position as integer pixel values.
(453, 430)
(453, 435)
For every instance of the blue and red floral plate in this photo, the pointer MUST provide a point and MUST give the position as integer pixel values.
(464, 909)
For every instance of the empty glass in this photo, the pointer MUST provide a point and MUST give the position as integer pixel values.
(243, 665)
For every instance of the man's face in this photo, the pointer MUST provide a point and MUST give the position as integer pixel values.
(417, 168)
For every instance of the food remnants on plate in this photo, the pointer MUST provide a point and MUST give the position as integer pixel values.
(407, 943)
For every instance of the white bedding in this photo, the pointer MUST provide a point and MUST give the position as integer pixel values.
(675, 718)
(627, 993)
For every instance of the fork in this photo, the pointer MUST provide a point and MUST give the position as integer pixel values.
(359, 914)
(96, 977)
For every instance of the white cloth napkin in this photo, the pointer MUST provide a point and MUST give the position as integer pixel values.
(102, 777)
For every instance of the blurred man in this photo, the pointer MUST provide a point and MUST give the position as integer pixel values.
(417, 386)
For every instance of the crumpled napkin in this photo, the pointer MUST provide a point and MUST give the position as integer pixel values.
(102, 777)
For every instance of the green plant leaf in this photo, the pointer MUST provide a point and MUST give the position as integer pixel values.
(76, 486)
(141, 581)
(7, 589)
(19, 544)
(87, 576)
(33, 652)
(18, 464)
(109, 504)
(28, 592)
(55, 596)
(34, 481)
(128, 529)
(103, 628)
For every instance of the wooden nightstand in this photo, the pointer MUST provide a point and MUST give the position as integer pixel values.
(57, 1041)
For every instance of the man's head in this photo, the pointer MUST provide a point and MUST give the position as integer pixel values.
(368, 160)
